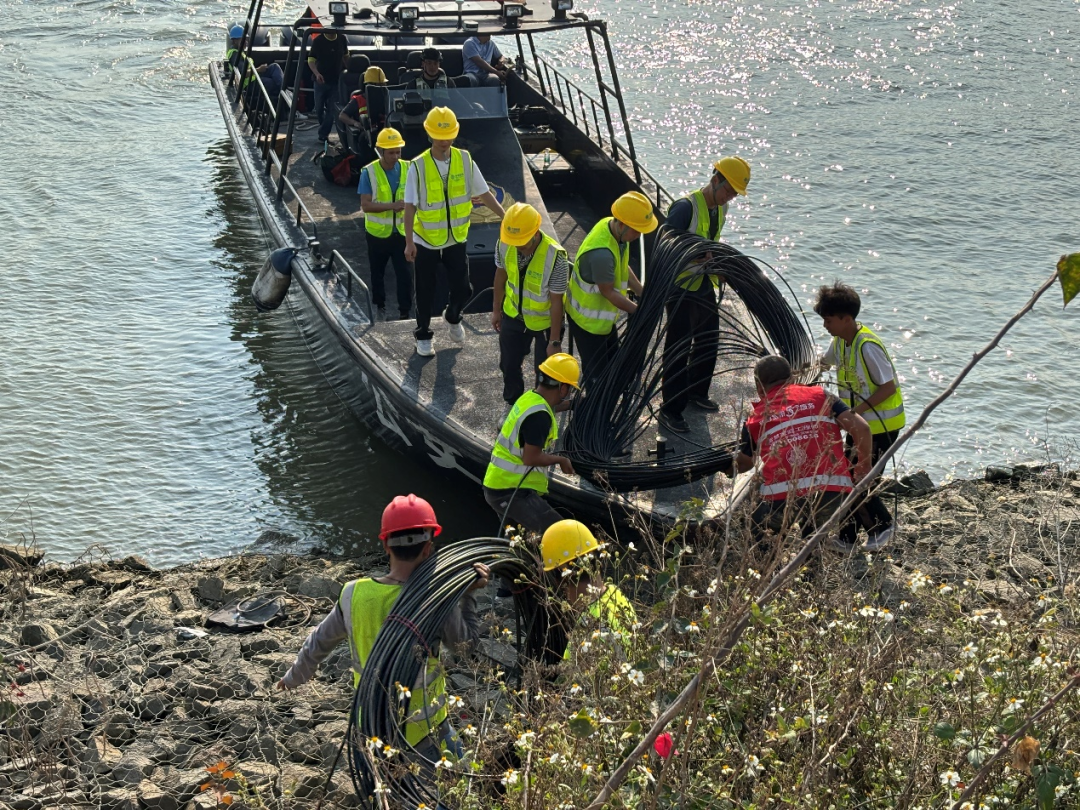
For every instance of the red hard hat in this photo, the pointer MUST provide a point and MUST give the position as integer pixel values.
(407, 512)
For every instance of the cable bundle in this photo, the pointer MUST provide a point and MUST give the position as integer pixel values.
(606, 423)
(411, 633)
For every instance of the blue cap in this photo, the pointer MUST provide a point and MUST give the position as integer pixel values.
(236, 32)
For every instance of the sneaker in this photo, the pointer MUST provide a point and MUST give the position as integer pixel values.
(879, 539)
(457, 331)
(704, 403)
(424, 348)
(844, 547)
(673, 422)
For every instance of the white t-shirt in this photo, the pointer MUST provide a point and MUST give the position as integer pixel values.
(877, 362)
(476, 185)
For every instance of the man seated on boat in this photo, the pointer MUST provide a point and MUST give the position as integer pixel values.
(409, 527)
(692, 338)
(516, 477)
(439, 189)
(531, 272)
(382, 198)
(431, 81)
(354, 115)
(327, 58)
(235, 60)
(794, 432)
(601, 277)
(483, 61)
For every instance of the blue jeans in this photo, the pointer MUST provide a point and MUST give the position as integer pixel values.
(325, 106)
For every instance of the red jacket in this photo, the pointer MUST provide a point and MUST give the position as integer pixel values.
(799, 443)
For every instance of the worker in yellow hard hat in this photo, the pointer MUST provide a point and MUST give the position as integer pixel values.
(440, 186)
(516, 477)
(565, 549)
(382, 199)
(601, 277)
(531, 271)
(693, 316)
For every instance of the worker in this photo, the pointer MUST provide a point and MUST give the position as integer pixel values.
(693, 318)
(439, 189)
(531, 272)
(563, 548)
(382, 198)
(327, 58)
(516, 477)
(597, 290)
(794, 432)
(408, 529)
(235, 57)
(868, 383)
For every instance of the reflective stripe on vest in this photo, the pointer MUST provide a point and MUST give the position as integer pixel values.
(249, 71)
(799, 443)
(366, 604)
(443, 208)
(688, 279)
(583, 301)
(381, 224)
(506, 467)
(856, 386)
(535, 303)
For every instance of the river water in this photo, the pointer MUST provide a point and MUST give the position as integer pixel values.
(924, 152)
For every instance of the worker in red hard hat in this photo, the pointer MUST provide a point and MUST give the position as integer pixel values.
(408, 529)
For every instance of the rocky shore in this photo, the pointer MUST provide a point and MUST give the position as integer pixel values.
(118, 694)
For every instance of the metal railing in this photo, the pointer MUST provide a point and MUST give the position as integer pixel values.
(351, 276)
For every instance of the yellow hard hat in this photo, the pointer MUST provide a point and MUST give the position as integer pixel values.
(390, 138)
(566, 541)
(634, 210)
(441, 124)
(374, 75)
(520, 224)
(735, 170)
(562, 367)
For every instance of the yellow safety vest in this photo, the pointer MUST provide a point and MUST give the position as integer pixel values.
(249, 71)
(371, 603)
(506, 468)
(856, 386)
(688, 279)
(615, 614)
(381, 224)
(535, 303)
(584, 303)
(443, 208)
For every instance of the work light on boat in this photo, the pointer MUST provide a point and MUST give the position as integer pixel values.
(408, 16)
(560, 7)
(339, 11)
(511, 13)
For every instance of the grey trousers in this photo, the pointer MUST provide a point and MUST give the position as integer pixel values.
(527, 507)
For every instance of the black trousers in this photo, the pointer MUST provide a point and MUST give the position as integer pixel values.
(871, 513)
(810, 511)
(381, 251)
(595, 351)
(514, 342)
(690, 347)
(455, 260)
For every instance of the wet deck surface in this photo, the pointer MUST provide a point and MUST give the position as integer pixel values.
(462, 382)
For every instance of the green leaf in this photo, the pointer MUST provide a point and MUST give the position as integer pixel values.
(944, 731)
(1068, 268)
(632, 730)
(581, 725)
(977, 756)
(1046, 780)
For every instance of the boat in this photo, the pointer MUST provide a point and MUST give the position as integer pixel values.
(541, 137)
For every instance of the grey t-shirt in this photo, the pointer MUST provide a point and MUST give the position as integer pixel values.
(598, 266)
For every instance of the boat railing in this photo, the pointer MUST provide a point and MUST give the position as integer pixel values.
(350, 276)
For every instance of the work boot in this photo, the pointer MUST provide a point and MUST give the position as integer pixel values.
(673, 422)
(704, 403)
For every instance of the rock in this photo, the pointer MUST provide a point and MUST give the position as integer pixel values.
(917, 483)
(153, 707)
(319, 588)
(24, 802)
(112, 581)
(119, 728)
(152, 797)
(187, 618)
(300, 781)
(119, 800)
(259, 646)
(303, 747)
(38, 634)
(133, 767)
(100, 756)
(102, 665)
(135, 564)
(160, 668)
(212, 589)
(19, 556)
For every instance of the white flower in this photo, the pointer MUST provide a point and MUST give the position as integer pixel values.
(510, 778)
(969, 650)
(727, 770)
(918, 581)
(525, 739)
(374, 744)
(1013, 705)
(950, 778)
(586, 646)
(1042, 660)
(635, 677)
(944, 589)
(555, 758)
(753, 766)
(444, 763)
(469, 730)
(586, 768)
(403, 692)
(693, 628)
(630, 546)
(389, 752)
(809, 613)
(455, 702)
(712, 587)
(575, 689)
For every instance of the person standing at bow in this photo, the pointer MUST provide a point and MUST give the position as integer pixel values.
(439, 189)
(382, 198)
(693, 318)
(531, 273)
(516, 477)
(327, 58)
(869, 385)
(601, 277)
